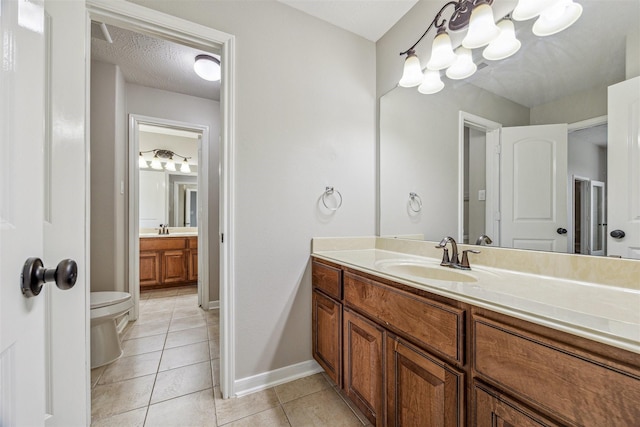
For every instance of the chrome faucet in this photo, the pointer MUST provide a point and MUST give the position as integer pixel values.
(454, 261)
(483, 238)
(164, 229)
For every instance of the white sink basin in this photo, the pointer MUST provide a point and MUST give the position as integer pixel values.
(424, 271)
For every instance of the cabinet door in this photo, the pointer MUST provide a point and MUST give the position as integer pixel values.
(421, 390)
(327, 335)
(363, 344)
(193, 265)
(149, 268)
(174, 266)
(492, 410)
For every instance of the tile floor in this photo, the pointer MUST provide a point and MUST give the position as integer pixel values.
(168, 376)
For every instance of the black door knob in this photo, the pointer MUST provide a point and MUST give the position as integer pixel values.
(34, 276)
(617, 234)
(561, 230)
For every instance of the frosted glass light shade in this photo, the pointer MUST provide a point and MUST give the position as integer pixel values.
(505, 45)
(207, 68)
(170, 165)
(155, 163)
(142, 163)
(185, 167)
(482, 27)
(412, 74)
(431, 83)
(463, 67)
(527, 9)
(556, 18)
(442, 55)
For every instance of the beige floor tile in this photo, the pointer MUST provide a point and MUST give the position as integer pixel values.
(193, 410)
(158, 304)
(214, 331)
(324, 408)
(215, 367)
(154, 316)
(353, 407)
(302, 387)
(187, 336)
(179, 312)
(123, 396)
(186, 301)
(188, 290)
(133, 418)
(274, 417)
(146, 330)
(160, 293)
(213, 317)
(96, 374)
(329, 380)
(143, 345)
(186, 323)
(180, 381)
(131, 367)
(214, 349)
(185, 355)
(229, 410)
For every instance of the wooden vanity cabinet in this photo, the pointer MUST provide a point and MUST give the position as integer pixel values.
(167, 261)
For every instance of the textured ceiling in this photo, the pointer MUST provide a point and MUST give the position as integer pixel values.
(152, 62)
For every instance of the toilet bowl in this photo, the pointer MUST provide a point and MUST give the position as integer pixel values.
(106, 307)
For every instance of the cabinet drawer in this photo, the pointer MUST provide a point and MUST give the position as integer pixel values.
(328, 279)
(568, 385)
(193, 242)
(432, 325)
(162, 243)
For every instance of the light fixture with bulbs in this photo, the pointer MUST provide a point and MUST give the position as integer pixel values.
(207, 67)
(166, 156)
(498, 40)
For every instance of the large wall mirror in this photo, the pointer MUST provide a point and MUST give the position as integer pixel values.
(522, 150)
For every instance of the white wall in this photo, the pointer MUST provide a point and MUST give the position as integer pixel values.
(305, 119)
(108, 205)
(573, 108)
(184, 108)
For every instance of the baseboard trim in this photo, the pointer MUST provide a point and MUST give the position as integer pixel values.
(276, 377)
(214, 304)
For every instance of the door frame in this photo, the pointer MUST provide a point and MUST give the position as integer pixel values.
(492, 130)
(148, 21)
(135, 120)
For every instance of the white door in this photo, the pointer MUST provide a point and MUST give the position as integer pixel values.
(534, 187)
(43, 339)
(598, 221)
(623, 169)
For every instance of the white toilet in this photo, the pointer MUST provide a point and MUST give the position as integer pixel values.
(106, 307)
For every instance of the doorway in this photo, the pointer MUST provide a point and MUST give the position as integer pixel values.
(147, 21)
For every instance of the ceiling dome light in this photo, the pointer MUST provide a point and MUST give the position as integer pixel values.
(527, 9)
(463, 67)
(207, 67)
(505, 45)
(431, 83)
(482, 27)
(412, 74)
(442, 55)
(556, 18)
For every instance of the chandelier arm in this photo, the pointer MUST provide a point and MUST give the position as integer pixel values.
(458, 4)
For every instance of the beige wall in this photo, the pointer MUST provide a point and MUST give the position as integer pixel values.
(633, 55)
(573, 108)
(108, 204)
(305, 119)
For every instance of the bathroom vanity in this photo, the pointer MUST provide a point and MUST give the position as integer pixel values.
(413, 343)
(168, 260)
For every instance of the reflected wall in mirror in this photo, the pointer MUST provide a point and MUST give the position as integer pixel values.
(480, 155)
(168, 197)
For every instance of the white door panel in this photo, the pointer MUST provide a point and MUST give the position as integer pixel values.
(44, 375)
(22, 376)
(534, 193)
(623, 170)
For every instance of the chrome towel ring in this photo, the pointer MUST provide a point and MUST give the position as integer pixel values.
(329, 191)
(415, 202)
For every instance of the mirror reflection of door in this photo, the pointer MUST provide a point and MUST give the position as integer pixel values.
(191, 207)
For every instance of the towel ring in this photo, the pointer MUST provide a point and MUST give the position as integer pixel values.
(415, 202)
(328, 192)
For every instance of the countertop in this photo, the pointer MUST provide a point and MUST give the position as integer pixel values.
(603, 313)
(154, 235)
